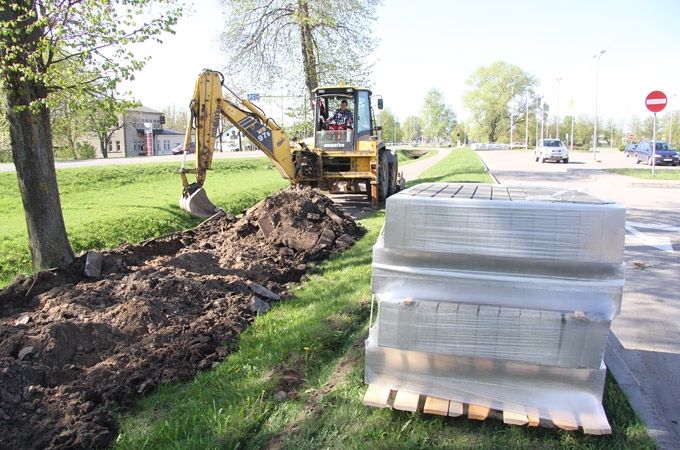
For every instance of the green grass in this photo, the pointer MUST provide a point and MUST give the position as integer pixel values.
(646, 174)
(461, 165)
(106, 206)
(320, 333)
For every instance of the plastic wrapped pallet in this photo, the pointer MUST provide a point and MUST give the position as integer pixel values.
(562, 339)
(523, 388)
(596, 294)
(508, 222)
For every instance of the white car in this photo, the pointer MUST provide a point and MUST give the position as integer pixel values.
(551, 150)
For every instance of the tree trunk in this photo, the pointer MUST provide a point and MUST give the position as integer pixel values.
(104, 147)
(31, 142)
(308, 54)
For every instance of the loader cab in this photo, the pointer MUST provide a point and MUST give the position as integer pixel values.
(330, 137)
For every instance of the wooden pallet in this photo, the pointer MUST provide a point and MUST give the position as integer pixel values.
(381, 397)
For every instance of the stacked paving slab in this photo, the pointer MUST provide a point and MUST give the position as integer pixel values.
(497, 296)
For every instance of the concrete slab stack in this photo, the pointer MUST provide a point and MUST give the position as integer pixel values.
(497, 296)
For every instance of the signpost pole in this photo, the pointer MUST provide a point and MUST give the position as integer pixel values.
(655, 102)
(654, 149)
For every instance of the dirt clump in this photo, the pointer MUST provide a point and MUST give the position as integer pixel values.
(72, 348)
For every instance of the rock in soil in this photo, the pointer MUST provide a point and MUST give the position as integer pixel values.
(158, 312)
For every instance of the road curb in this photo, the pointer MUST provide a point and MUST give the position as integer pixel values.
(488, 170)
(617, 365)
(655, 185)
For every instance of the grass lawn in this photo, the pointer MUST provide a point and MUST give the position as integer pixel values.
(105, 206)
(319, 333)
(661, 174)
(462, 165)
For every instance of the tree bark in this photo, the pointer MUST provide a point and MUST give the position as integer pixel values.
(31, 142)
(308, 54)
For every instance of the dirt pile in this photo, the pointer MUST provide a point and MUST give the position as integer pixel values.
(73, 348)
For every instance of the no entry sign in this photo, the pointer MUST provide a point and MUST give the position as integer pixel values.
(656, 101)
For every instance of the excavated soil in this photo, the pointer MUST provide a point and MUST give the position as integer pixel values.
(73, 349)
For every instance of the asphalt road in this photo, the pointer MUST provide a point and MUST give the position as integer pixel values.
(643, 351)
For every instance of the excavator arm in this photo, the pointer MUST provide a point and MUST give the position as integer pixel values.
(208, 105)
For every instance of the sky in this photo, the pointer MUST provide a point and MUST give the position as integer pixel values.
(438, 44)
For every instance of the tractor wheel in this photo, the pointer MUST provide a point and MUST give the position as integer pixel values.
(383, 177)
(393, 165)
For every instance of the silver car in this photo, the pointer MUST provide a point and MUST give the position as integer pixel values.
(551, 150)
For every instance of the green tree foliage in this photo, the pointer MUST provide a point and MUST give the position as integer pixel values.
(412, 129)
(458, 133)
(176, 118)
(81, 47)
(437, 119)
(391, 129)
(494, 93)
(320, 39)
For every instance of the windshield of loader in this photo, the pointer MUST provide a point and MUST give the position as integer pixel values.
(335, 124)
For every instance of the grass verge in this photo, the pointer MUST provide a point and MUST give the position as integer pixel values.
(106, 206)
(646, 174)
(319, 334)
(461, 165)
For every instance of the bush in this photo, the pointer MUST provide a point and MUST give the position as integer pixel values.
(84, 151)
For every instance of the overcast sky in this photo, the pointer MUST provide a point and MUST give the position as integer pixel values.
(427, 43)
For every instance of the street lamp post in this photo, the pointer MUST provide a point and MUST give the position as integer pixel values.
(512, 94)
(558, 106)
(526, 121)
(670, 127)
(597, 79)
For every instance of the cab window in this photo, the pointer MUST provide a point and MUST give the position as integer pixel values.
(363, 114)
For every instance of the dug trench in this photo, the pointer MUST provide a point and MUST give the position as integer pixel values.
(74, 349)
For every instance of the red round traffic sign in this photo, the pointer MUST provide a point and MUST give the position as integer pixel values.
(656, 101)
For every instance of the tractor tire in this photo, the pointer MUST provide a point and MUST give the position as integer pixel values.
(393, 164)
(383, 176)
(566, 160)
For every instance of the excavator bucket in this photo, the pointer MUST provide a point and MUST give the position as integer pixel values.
(197, 203)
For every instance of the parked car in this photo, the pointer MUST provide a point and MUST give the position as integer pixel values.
(551, 150)
(180, 149)
(664, 155)
(630, 150)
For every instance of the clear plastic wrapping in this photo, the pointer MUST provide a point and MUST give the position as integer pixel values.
(517, 387)
(510, 222)
(497, 296)
(563, 339)
(597, 293)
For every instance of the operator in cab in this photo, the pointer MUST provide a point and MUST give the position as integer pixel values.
(342, 118)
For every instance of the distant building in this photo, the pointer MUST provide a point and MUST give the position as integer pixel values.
(130, 140)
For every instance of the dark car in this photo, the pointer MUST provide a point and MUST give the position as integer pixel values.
(630, 150)
(664, 155)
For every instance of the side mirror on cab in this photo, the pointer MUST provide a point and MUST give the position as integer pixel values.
(380, 103)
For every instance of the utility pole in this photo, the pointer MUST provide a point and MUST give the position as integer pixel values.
(670, 127)
(526, 121)
(542, 117)
(512, 94)
(597, 79)
(558, 106)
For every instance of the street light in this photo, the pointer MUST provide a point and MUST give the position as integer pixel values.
(670, 128)
(597, 79)
(558, 105)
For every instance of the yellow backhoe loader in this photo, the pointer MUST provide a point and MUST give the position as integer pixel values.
(348, 157)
